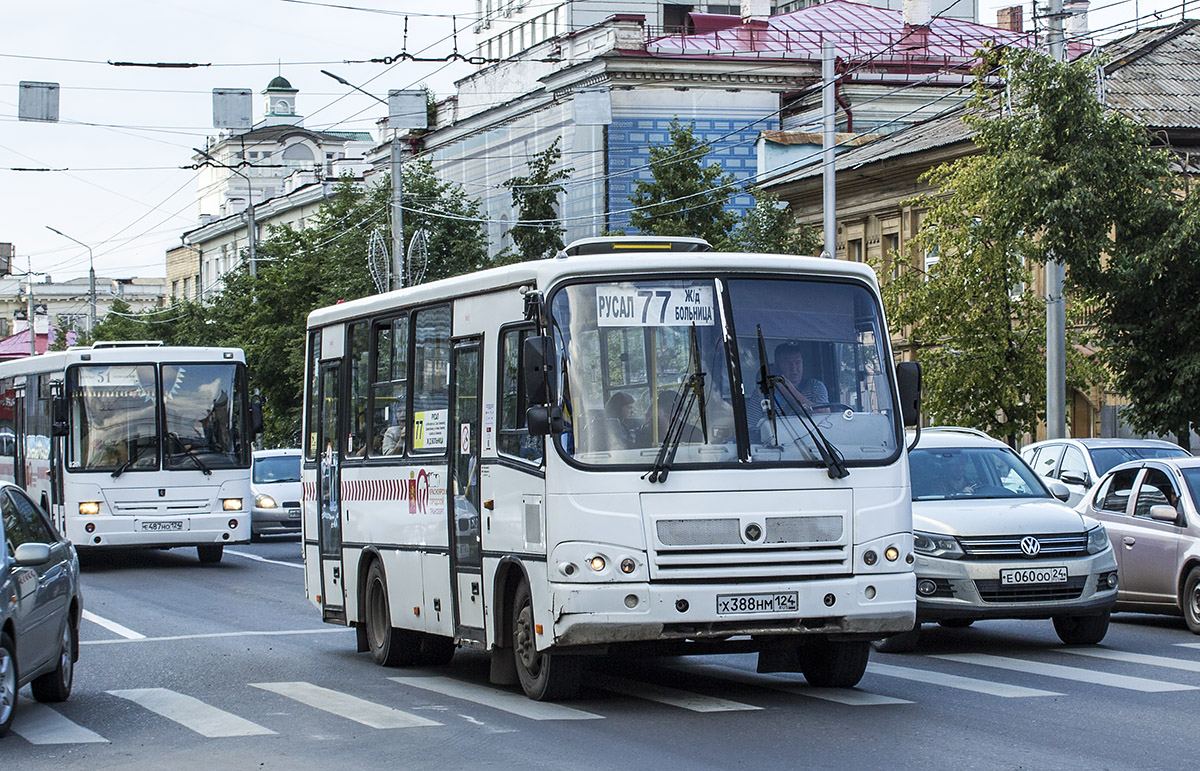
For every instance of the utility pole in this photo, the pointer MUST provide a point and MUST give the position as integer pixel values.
(91, 278)
(29, 311)
(251, 226)
(399, 272)
(829, 171)
(1056, 308)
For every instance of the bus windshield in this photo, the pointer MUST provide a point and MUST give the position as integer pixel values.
(206, 422)
(641, 355)
(114, 417)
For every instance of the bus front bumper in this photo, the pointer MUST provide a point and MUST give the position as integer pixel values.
(160, 532)
(873, 606)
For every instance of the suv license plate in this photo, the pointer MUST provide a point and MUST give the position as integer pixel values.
(1057, 575)
(778, 602)
(170, 524)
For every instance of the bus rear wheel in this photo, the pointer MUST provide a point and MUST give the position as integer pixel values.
(544, 676)
(390, 647)
(834, 663)
(210, 553)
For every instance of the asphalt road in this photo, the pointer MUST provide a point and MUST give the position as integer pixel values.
(228, 666)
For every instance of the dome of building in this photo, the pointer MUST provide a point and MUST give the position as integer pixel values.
(279, 83)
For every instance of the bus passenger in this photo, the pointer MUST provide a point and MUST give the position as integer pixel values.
(789, 364)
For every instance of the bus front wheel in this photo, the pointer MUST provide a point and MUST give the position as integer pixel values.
(390, 647)
(544, 676)
(210, 553)
(834, 663)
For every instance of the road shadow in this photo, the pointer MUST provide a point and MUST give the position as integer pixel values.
(116, 559)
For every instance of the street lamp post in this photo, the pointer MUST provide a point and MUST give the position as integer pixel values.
(251, 225)
(91, 279)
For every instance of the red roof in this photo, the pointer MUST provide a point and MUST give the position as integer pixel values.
(17, 346)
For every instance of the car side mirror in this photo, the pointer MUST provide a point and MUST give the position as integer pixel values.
(545, 420)
(539, 369)
(58, 414)
(1163, 513)
(1059, 490)
(29, 555)
(1076, 478)
(256, 418)
(908, 380)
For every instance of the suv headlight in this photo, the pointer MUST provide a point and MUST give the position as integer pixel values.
(264, 502)
(936, 545)
(1097, 540)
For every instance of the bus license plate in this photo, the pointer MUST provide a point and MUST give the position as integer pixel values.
(170, 524)
(293, 513)
(778, 602)
(1057, 575)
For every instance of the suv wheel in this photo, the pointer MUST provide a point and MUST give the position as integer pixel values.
(1082, 630)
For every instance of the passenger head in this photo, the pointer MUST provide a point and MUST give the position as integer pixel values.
(620, 405)
(789, 361)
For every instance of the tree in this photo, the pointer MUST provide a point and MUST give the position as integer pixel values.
(452, 221)
(537, 233)
(684, 197)
(770, 227)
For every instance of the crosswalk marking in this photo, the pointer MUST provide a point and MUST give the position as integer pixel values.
(663, 695)
(1136, 658)
(112, 626)
(986, 687)
(344, 705)
(38, 724)
(191, 713)
(849, 696)
(1142, 684)
(488, 696)
(1188, 645)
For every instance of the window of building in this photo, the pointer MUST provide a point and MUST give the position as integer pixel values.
(931, 258)
(676, 19)
(854, 250)
(174, 289)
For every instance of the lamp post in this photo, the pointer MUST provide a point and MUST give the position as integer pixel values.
(251, 225)
(91, 279)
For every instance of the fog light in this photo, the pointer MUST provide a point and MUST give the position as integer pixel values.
(1112, 580)
(628, 565)
(597, 563)
(908, 558)
(89, 507)
(870, 557)
(631, 601)
(869, 592)
(96, 539)
(233, 524)
(681, 606)
(90, 527)
(567, 568)
(926, 587)
(829, 600)
(891, 553)
(232, 504)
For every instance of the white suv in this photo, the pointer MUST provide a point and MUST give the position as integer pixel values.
(993, 541)
(275, 484)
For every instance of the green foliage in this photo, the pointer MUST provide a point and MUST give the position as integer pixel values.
(685, 197)
(538, 233)
(771, 228)
(456, 240)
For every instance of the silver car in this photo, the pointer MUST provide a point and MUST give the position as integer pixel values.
(1079, 463)
(1152, 514)
(993, 541)
(40, 605)
(275, 484)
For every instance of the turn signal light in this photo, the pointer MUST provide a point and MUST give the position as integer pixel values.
(89, 507)
(597, 563)
(232, 504)
(892, 553)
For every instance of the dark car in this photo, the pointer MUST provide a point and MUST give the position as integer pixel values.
(40, 605)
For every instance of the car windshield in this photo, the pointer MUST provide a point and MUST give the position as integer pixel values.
(1106, 458)
(204, 406)
(276, 468)
(944, 473)
(640, 355)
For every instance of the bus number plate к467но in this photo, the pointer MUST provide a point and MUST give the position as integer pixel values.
(170, 524)
(777, 602)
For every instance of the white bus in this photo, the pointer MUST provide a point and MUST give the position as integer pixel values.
(133, 444)
(487, 465)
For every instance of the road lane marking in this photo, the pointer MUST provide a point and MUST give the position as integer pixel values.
(192, 714)
(256, 558)
(1188, 645)
(344, 705)
(695, 702)
(1136, 658)
(39, 724)
(209, 635)
(986, 687)
(112, 626)
(1142, 684)
(852, 697)
(506, 701)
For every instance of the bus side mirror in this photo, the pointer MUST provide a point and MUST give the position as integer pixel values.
(544, 420)
(256, 418)
(908, 378)
(539, 369)
(58, 410)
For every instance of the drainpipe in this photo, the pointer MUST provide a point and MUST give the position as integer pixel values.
(840, 98)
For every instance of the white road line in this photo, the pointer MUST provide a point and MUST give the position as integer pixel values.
(344, 705)
(112, 626)
(1142, 684)
(986, 687)
(660, 693)
(192, 714)
(38, 724)
(852, 697)
(506, 701)
(1136, 658)
(1188, 645)
(207, 635)
(256, 558)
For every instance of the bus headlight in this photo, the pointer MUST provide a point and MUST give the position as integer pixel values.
(263, 502)
(89, 508)
(232, 504)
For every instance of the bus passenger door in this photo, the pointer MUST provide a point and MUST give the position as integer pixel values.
(329, 527)
(467, 557)
(19, 462)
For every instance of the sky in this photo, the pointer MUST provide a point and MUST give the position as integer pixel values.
(115, 180)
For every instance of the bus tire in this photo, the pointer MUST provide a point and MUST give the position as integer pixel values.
(389, 646)
(834, 663)
(210, 553)
(8, 682)
(544, 676)
(56, 686)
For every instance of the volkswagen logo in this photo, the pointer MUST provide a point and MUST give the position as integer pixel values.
(1031, 546)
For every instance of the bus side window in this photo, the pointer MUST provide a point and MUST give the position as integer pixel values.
(314, 362)
(514, 438)
(360, 374)
(429, 429)
(389, 388)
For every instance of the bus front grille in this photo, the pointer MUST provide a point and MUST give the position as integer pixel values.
(749, 547)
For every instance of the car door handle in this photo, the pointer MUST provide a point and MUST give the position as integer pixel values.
(1129, 540)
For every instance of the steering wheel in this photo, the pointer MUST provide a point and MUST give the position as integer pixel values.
(991, 491)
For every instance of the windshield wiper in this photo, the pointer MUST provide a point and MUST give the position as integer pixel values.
(694, 388)
(188, 451)
(137, 453)
(835, 463)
